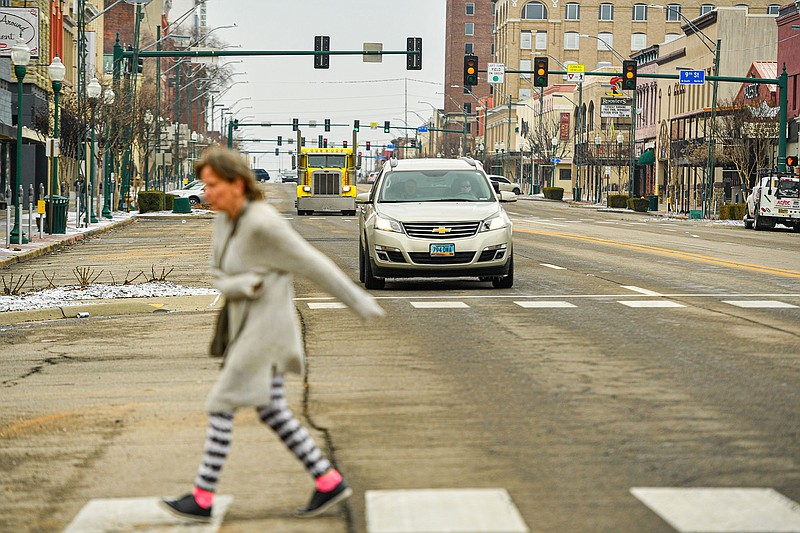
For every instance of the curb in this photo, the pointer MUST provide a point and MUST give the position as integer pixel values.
(73, 311)
(67, 241)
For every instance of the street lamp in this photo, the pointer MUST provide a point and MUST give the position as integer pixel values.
(148, 123)
(20, 55)
(57, 72)
(93, 91)
(108, 100)
(554, 143)
(620, 140)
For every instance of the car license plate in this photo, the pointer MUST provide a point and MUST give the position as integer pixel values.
(443, 250)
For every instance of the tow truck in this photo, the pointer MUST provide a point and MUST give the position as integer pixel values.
(774, 200)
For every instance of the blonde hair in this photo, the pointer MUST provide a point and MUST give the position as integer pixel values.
(230, 166)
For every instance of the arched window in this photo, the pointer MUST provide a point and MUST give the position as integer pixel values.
(668, 38)
(638, 41)
(743, 6)
(590, 117)
(534, 11)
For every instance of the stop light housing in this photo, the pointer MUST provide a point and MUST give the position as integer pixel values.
(327, 124)
(280, 140)
(319, 141)
(324, 143)
(356, 125)
(277, 151)
(387, 127)
(541, 72)
(414, 62)
(628, 75)
(139, 65)
(295, 124)
(322, 43)
(791, 160)
(368, 145)
(470, 70)
(344, 144)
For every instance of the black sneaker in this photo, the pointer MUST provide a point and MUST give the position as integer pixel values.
(187, 508)
(322, 501)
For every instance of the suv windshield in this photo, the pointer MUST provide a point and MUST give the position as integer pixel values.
(789, 188)
(435, 186)
(326, 161)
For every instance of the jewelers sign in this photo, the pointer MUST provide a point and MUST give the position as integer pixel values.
(19, 23)
(612, 107)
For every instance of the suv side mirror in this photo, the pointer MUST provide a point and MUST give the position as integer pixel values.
(362, 198)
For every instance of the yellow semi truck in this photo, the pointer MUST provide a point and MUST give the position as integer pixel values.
(326, 180)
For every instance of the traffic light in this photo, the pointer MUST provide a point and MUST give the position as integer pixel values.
(387, 128)
(413, 143)
(541, 72)
(280, 140)
(327, 124)
(139, 65)
(295, 124)
(368, 145)
(322, 43)
(628, 75)
(319, 141)
(236, 124)
(356, 125)
(470, 70)
(277, 152)
(344, 144)
(324, 143)
(791, 160)
(414, 62)
(302, 141)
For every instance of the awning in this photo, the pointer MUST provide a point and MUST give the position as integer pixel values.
(648, 157)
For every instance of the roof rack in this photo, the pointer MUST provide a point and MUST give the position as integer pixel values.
(469, 160)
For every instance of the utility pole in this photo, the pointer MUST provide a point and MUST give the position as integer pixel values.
(158, 112)
(711, 141)
(509, 135)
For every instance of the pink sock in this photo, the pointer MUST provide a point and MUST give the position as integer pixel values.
(203, 498)
(327, 482)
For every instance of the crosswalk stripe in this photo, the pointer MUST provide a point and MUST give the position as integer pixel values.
(440, 305)
(650, 303)
(640, 290)
(554, 267)
(545, 304)
(722, 510)
(760, 304)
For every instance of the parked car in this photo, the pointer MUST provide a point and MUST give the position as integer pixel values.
(372, 177)
(505, 184)
(289, 178)
(261, 174)
(434, 218)
(194, 191)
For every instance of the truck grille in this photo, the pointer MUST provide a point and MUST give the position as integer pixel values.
(422, 258)
(441, 230)
(326, 184)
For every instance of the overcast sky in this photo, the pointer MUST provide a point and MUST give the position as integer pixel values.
(282, 88)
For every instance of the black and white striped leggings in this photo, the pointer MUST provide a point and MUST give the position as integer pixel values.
(277, 416)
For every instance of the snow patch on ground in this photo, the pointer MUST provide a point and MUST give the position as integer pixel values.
(74, 295)
(729, 222)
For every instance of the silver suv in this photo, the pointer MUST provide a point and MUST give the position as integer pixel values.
(434, 218)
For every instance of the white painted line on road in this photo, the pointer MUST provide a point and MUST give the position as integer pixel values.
(140, 514)
(696, 236)
(440, 305)
(667, 229)
(554, 267)
(722, 510)
(605, 222)
(650, 303)
(456, 295)
(541, 222)
(760, 304)
(441, 510)
(326, 305)
(640, 290)
(545, 305)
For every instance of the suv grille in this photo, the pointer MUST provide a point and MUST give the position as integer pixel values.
(427, 230)
(326, 183)
(422, 258)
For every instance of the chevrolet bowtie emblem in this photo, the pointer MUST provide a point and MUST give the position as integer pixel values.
(441, 231)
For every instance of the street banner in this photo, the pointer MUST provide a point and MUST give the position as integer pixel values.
(615, 107)
(19, 23)
(563, 126)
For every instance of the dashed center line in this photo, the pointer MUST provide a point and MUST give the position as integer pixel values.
(440, 305)
(641, 290)
(554, 267)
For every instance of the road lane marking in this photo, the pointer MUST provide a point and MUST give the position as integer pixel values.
(722, 510)
(760, 304)
(542, 222)
(641, 290)
(560, 296)
(441, 510)
(440, 305)
(650, 303)
(545, 305)
(554, 267)
(141, 514)
(326, 305)
(785, 272)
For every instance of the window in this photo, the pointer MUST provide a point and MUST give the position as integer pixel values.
(673, 12)
(606, 12)
(470, 8)
(541, 40)
(605, 41)
(640, 12)
(524, 94)
(525, 40)
(573, 11)
(705, 8)
(534, 11)
(743, 6)
(469, 28)
(525, 64)
(468, 48)
(668, 38)
(773, 9)
(468, 107)
(638, 41)
(571, 40)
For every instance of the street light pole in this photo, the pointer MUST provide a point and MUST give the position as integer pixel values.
(108, 99)
(93, 91)
(148, 123)
(20, 55)
(57, 72)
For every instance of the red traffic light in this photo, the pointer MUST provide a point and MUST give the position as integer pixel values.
(791, 160)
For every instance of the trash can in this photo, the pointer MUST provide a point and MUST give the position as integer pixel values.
(181, 205)
(576, 194)
(653, 199)
(60, 205)
(695, 214)
(537, 189)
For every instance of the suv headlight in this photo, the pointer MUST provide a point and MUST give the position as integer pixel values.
(498, 221)
(387, 224)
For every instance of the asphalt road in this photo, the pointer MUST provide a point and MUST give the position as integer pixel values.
(567, 406)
